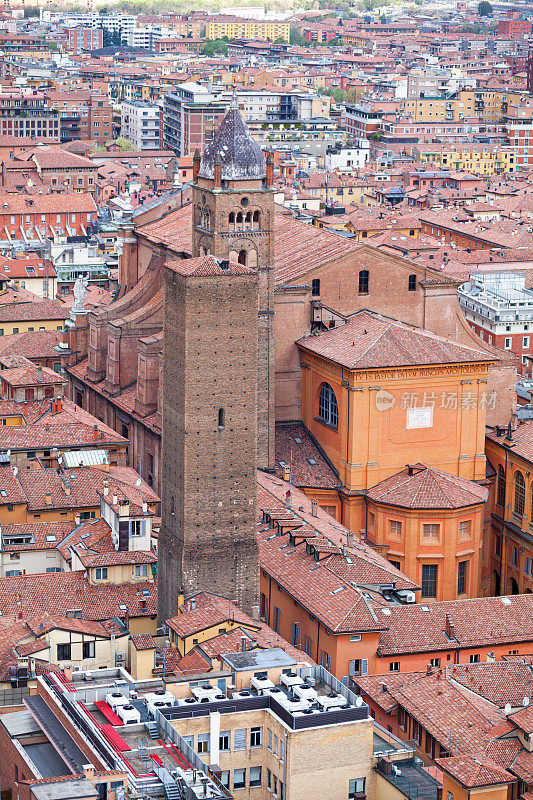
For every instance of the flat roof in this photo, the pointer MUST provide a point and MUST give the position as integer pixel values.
(258, 659)
(20, 723)
(77, 789)
(47, 760)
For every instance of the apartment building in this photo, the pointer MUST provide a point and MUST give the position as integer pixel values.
(26, 113)
(499, 307)
(82, 115)
(191, 117)
(235, 28)
(140, 124)
(244, 731)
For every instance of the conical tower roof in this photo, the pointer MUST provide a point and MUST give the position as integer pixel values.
(240, 156)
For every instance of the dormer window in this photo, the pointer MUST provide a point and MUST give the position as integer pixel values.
(137, 527)
(100, 574)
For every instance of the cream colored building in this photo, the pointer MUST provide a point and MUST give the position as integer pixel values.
(264, 749)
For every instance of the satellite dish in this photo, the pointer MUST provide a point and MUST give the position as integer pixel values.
(507, 708)
(359, 702)
(525, 702)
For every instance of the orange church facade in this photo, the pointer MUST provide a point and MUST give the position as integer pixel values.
(400, 414)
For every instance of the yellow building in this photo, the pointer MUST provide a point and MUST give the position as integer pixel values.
(478, 159)
(235, 28)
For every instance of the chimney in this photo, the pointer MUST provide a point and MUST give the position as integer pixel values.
(286, 472)
(429, 670)
(349, 538)
(106, 489)
(243, 643)
(115, 499)
(196, 164)
(39, 373)
(66, 487)
(77, 519)
(314, 507)
(450, 627)
(270, 170)
(288, 499)
(95, 432)
(217, 172)
(48, 498)
(145, 507)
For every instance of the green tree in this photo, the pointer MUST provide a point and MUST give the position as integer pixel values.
(484, 9)
(215, 46)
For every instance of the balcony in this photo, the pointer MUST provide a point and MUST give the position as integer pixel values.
(410, 779)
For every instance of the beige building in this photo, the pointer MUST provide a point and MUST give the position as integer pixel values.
(289, 748)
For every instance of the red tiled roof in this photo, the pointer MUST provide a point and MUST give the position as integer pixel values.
(208, 266)
(478, 622)
(475, 771)
(371, 341)
(427, 488)
(48, 436)
(142, 641)
(70, 591)
(211, 609)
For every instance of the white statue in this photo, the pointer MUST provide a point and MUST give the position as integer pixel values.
(80, 294)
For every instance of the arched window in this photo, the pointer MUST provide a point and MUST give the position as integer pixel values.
(519, 494)
(500, 494)
(231, 218)
(328, 410)
(239, 218)
(221, 417)
(363, 281)
(248, 217)
(257, 217)
(242, 257)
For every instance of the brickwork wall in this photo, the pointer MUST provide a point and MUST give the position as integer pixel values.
(214, 233)
(209, 488)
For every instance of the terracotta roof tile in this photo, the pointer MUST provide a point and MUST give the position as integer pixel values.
(371, 341)
(427, 488)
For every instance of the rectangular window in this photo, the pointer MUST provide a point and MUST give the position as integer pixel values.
(431, 531)
(508, 342)
(525, 341)
(356, 787)
(239, 739)
(461, 577)
(515, 556)
(100, 573)
(395, 528)
(256, 737)
(255, 776)
(295, 635)
(203, 743)
(88, 650)
(224, 778)
(464, 529)
(239, 778)
(269, 779)
(276, 622)
(435, 662)
(141, 570)
(429, 580)
(308, 645)
(224, 740)
(412, 283)
(394, 666)
(270, 740)
(315, 287)
(474, 658)
(63, 652)
(325, 660)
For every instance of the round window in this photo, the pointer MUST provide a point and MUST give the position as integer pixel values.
(244, 201)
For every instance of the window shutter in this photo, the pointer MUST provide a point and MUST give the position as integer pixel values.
(143, 527)
(364, 666)
(240, 739)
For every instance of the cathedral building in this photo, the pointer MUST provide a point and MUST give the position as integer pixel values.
(313, 289)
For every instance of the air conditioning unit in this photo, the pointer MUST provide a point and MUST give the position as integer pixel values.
(77, 669)
(120, 659)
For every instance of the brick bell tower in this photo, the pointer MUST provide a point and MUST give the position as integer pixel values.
(233, 218)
